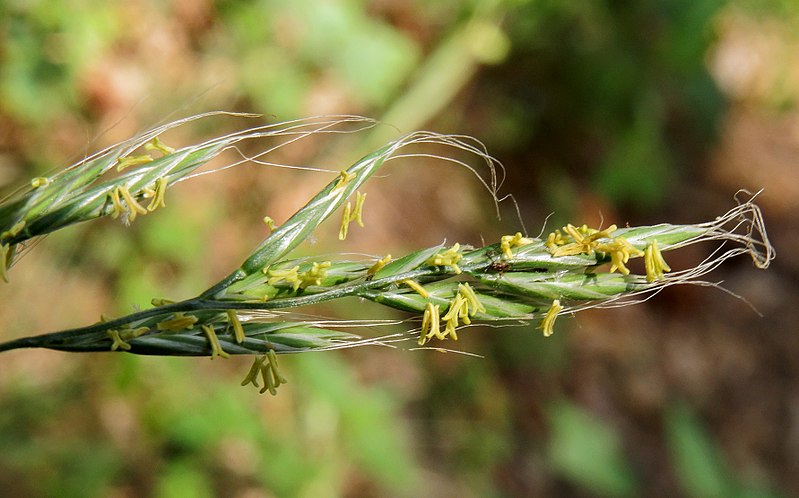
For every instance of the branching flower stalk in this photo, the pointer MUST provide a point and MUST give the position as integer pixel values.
(444, 289)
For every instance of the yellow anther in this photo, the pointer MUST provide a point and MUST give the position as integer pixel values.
(133, 207)
(430, 324)
(157, 301)
(474, 304)
(6, 253)
(290, 276)
(178, 322)
(554, 240)
(158, 195)
(255, 369)
(315, 275)
(653, 261)
(413, 284)
(270, 223)
(509, 241)
(126, 162)
(584, 240)
(118, 208)
(357, 212)
(345, 222)
(378, 265)
(549, 319)
(118, 342)
(344, 179)
(157, 144)
(14, 230)
(40, 181)
(270, 373)
(455, 311)
(352, 214)
(238, 331)
(450, 258)
(620, 251)
(213, 340)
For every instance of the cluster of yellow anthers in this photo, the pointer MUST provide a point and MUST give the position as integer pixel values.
(462, 307)
(450, 258)
(313, 276)
(154, 144)
(654, 263)
(352, 214)
(131, 207)
(509, 241)
(584, 240)
(266, 365)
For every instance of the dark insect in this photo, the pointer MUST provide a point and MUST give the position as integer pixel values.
(497, 265)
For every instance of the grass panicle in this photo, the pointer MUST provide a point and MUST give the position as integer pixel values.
(444, 288)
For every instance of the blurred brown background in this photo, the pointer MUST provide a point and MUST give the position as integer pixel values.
(632, 111)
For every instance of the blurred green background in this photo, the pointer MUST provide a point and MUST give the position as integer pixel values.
(632, 111)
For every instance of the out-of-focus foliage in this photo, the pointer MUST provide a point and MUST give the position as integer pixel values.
(592, 106)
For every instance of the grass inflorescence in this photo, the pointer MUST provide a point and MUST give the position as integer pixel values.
(444, 288)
